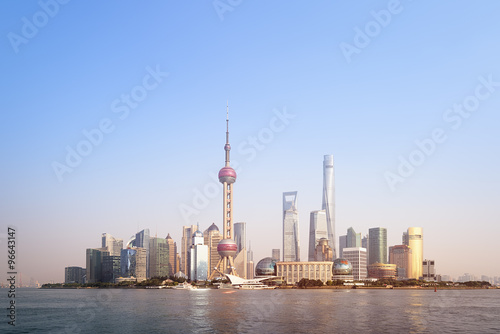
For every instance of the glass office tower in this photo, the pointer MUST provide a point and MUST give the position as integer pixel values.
(291, 248)
(377, 243)
(329, 200)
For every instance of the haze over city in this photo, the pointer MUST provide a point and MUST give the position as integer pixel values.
(408, 108)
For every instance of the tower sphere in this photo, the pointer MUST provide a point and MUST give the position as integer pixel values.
(227, 247)
(227, 174)
(342, 267)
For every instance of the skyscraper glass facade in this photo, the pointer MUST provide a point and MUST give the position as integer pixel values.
(377, 245)
(159, 257)
(317, 230)
(240, 236)
(329, 200)
(414, 239)
(291, 248)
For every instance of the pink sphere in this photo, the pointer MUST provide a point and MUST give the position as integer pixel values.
(227, 174)
(227, 247)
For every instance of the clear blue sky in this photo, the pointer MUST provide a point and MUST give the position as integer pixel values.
(69, 68)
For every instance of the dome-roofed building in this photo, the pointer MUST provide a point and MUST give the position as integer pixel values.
(197, 234)
(212, 227)
(266, 267)
(342, 270)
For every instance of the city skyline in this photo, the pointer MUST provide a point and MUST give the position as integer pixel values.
(113, 127)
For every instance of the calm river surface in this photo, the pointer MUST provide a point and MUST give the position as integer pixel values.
(260, 311)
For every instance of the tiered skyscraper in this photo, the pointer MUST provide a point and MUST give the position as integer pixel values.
(329, 200)
(227, 248)
(291, 242)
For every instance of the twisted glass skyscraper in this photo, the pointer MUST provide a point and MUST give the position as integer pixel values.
(291, 250)
(329, 200)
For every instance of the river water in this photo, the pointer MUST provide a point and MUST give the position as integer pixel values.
(258, 311)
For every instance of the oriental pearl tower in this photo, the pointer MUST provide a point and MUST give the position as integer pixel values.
(227, 248)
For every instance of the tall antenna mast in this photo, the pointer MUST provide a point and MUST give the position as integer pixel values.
(227, 147)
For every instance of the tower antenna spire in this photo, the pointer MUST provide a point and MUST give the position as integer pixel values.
(227, 147)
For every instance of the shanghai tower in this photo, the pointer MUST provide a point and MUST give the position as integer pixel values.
(329, 200)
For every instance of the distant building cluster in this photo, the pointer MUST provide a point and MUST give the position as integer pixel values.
(146, 257)
(369, 257)
(210, 254)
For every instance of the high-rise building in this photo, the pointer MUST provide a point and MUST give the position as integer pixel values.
(94, 260)
(250, 264)
(133, 263)
(240, 235)
(400, 255)
(291, 242)
(177, 264)
(429, 272)
(353, 238)
(329, 200)
(212, 237)
(377, 237)
(413, 238)
(250, 252)
(172, 256)
(142, 241)
(74, 275)
(349, 240)
(110, 268)
(317, 230)
(227, 248)
(342, 245)
(198, 258)
(187, 235)
(276, 254)
(323, 251)
(366, 245)
(250, 270)
(113, 245)
(127, 262)
(159, 257)
(240, 260)
(141, 262)
(357, 257)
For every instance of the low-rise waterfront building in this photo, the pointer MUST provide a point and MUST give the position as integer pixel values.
(293, 272)
(381, 270)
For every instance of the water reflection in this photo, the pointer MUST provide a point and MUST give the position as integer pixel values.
(275, 311)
